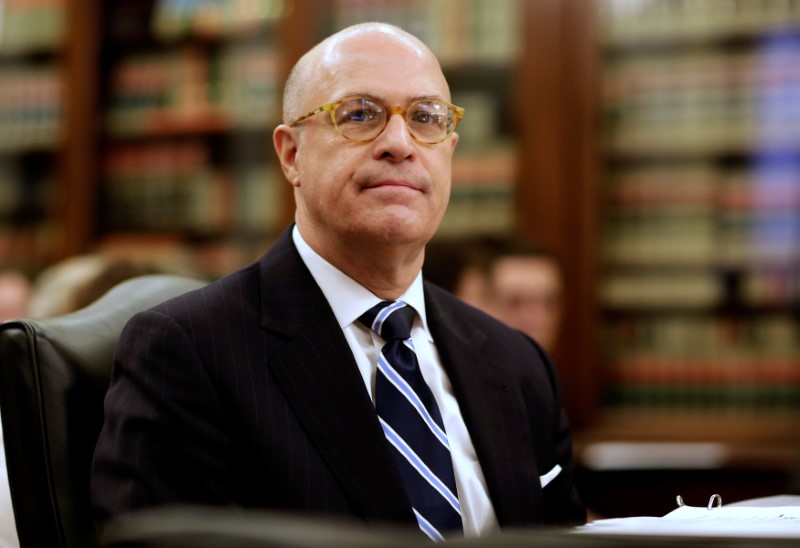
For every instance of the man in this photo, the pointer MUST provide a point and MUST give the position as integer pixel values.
(259, 390)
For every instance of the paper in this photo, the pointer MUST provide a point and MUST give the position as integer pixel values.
(737, 521)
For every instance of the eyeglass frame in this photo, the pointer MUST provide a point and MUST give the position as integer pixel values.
(390, 111)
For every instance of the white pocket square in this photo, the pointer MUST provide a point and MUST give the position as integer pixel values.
(551, 475)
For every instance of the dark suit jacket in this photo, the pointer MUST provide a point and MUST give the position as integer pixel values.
(246, 393)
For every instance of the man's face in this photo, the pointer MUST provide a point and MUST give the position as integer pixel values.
(529, 293)
(391, 190)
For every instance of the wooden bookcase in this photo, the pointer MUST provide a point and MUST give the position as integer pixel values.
(580, 70)
(33, 128)
(697, 265)
(700, 236)
(190, 94)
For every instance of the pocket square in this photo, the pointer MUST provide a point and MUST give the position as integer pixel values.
(550, 476)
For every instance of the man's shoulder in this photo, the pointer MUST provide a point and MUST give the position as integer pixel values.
(215, 292)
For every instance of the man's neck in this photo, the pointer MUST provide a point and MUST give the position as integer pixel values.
(386, 270)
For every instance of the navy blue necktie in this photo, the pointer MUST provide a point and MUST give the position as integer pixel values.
(412, 423)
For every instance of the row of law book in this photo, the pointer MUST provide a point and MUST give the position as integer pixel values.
(698, 341)
(665, 287)
(32, 25)
(696, 125)
(482, 194)
(626, 22)
(703, 69)
(701, 238)
(703, 101)
(174, 187)
(234, 87)
(769, 184)
(737, 399)
(746, 383)
(176, 18)
(457, 31)
(698, 213)
(31, 108)
(478, 211)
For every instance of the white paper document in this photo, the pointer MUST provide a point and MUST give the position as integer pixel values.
(738, 521)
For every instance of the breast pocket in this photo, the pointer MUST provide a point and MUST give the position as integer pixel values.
(550, 476)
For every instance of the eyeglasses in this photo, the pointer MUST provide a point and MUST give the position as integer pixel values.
(429, 121)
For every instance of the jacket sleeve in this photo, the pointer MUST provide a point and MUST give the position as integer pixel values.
(164, 439)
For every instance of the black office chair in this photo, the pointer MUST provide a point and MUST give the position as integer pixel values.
(54, 374)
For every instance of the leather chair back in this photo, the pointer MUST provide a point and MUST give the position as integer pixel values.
(54, 373)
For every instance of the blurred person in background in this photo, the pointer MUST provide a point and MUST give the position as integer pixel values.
(78, 281)
(520, 284)
(527, 284)
(461, 266)
(15, 293)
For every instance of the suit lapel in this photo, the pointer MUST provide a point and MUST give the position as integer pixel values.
(319, 376)
(493, 411)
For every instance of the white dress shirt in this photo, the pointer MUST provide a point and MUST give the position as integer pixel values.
(349, 300)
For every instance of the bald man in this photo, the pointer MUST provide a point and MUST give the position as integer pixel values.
(265, 389)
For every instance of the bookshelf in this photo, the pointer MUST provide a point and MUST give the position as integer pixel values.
(191, 94)
(32, 126)
(692, 284)
(677, 234)
(671, 123)
(700, 247)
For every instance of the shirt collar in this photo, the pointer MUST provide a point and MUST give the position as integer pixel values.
(348, 298)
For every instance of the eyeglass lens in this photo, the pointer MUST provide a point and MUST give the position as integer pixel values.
(362, 119)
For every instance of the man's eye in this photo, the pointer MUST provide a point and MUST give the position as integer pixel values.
(426, 118)
(360, 116)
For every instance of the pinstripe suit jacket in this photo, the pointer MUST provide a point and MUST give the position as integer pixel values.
(246, 393)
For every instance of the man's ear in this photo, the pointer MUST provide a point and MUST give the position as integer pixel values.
(454, 140)
(285, 140)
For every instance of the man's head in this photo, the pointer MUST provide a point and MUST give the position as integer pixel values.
(528, 289)
(354, 197)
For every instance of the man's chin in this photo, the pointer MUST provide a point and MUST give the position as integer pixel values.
(406, 229)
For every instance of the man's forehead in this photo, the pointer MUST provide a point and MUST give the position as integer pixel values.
(341, 47)
(354, 71)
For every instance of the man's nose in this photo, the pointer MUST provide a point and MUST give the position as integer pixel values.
(395, 141)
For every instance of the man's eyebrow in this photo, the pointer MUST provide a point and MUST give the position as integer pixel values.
(367, 95)
(428, 97)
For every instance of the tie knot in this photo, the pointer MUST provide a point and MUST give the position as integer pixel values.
(390, 319)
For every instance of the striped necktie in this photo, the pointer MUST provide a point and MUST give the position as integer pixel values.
(412, 423)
